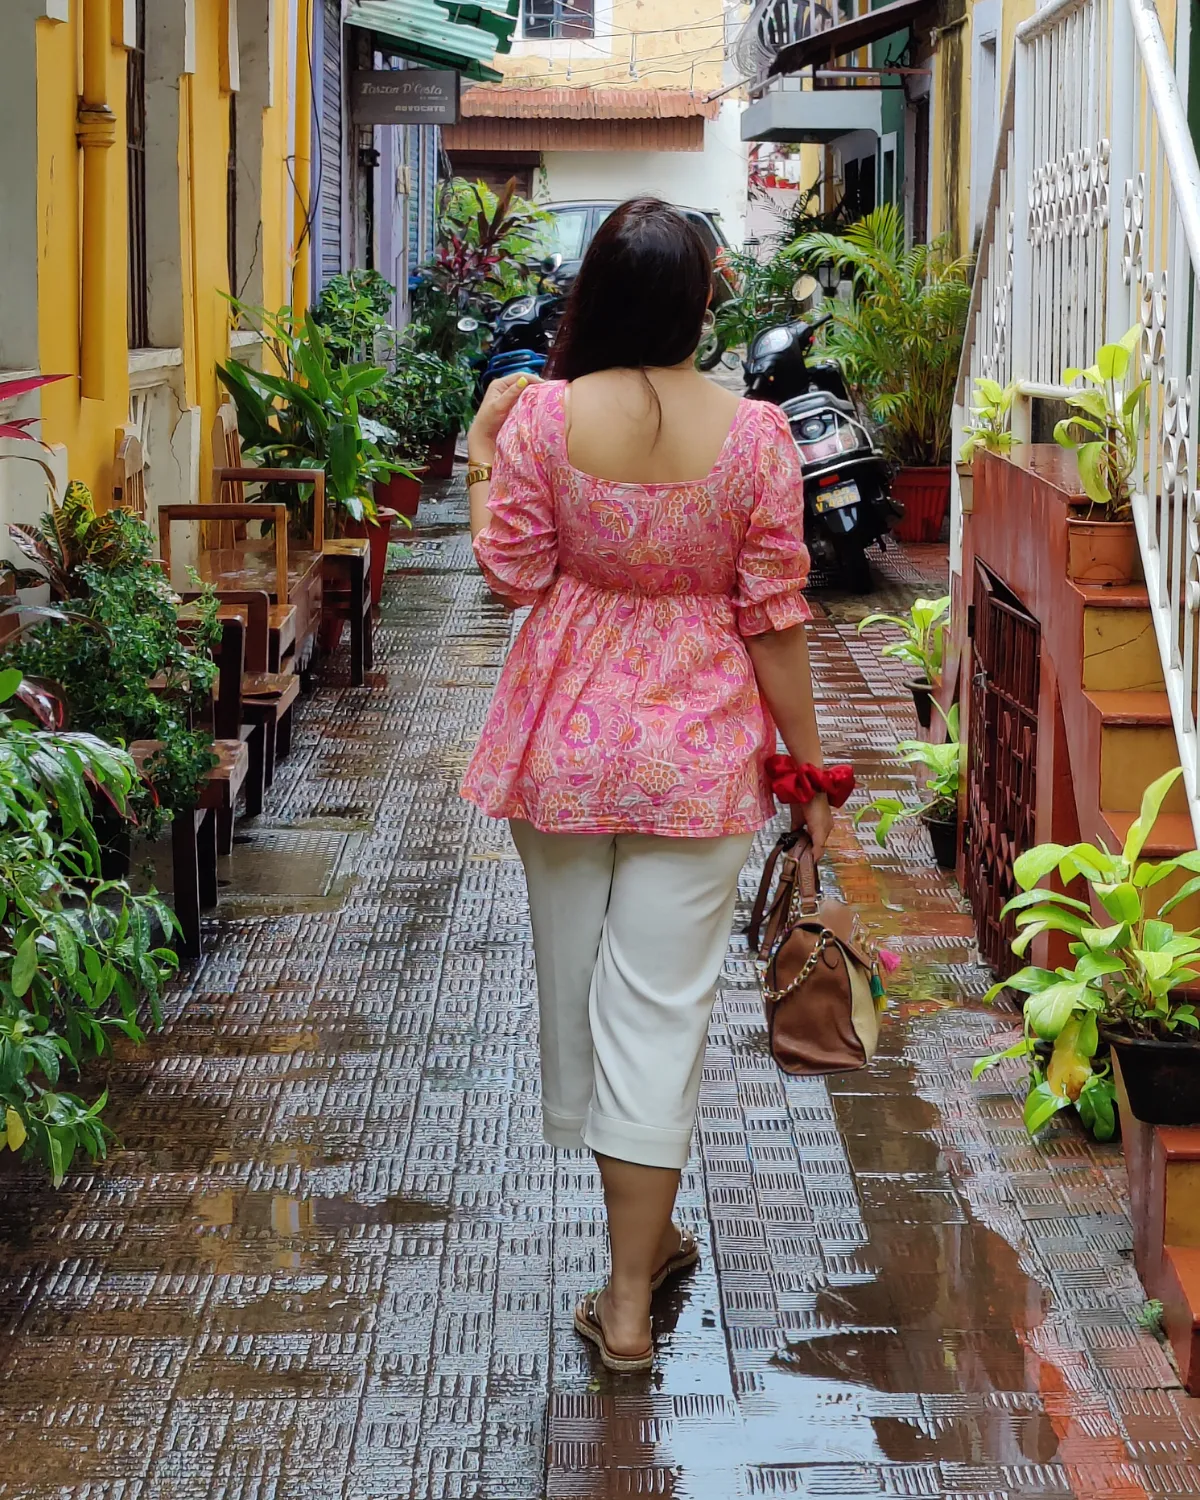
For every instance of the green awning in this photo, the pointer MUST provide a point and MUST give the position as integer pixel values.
(460, 34)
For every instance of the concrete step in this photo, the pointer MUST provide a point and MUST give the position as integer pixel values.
(1120, 650)
(1131, 706)
(1173, 833)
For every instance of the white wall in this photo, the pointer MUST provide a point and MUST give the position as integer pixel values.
(713, 179)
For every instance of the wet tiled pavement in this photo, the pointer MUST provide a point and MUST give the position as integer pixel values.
(334, 1258)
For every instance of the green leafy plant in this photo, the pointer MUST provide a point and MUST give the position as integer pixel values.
(1106, 422)
(990, 428)
(118, 634)
(1129, 963)
(946, 764)
(422, 401)
(763, 298)
(309, 417)
(352, 314)
(78, 955)
(900, 339)
(922, 636)
(489, 245)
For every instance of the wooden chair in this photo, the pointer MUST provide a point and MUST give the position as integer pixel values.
(194, 834)
(129, 475)
(231, 475)
(232, 561)
(265, 698)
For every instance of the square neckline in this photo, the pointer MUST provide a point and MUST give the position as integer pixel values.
(645, 484)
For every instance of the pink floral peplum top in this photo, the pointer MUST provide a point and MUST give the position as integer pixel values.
(628, 702)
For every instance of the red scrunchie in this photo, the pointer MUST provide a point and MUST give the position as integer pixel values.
(797, 785)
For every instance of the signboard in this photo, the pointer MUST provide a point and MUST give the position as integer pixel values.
(416, 96)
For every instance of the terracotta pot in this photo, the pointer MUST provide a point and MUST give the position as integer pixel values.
(925, 496)
(943, 835)
(1162, 1079)
(441, 457)
(379, 533)
(1101, 551)
(922, 692)
(400, 493)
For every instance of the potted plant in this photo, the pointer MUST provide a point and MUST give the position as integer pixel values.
(1125, 985)
(989, 431)
(921, 644)
(309, 417)
(946, 765)
(1106, 422)
(899, 342)
(117, 633)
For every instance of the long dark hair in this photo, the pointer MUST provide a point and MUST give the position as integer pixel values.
(640, 295)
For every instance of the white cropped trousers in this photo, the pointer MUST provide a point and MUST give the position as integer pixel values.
(629, 933)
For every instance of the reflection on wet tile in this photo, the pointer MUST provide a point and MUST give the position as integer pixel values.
(334, 1260)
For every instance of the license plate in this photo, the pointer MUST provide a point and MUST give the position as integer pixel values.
(836, 498)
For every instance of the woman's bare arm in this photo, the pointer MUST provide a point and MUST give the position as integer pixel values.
(784, 674)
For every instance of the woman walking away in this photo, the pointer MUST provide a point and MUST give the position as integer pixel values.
(654, 521)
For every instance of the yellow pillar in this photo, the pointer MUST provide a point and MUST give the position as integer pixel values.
(97, 134)
(302, 258)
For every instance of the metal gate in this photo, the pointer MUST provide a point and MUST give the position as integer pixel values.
(332, 145)
(1002, 758)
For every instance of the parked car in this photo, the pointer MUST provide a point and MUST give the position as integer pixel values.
(576, 222)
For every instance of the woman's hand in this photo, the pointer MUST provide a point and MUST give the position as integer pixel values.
(499, 400)
(817, 817)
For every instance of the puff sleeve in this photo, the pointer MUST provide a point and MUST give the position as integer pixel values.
(772, 566)
(517, 551)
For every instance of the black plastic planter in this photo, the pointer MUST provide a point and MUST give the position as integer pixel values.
(1162, 1079)
(943, 835)
(922, 692)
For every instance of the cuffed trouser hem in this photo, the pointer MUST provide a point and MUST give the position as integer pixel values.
(564, 1132)
(644, 1145)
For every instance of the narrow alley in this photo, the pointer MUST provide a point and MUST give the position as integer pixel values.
(332, 1257)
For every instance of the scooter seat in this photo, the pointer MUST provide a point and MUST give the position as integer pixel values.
(516, 359)
(801, 406)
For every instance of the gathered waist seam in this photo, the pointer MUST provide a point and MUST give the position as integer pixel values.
(632, 593)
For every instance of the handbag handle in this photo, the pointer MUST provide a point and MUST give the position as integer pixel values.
(801, 869)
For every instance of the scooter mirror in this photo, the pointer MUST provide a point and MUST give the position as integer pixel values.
(468, 325)
(804, 288)
(551, 263)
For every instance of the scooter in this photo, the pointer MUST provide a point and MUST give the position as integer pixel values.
(524, 330)
(846, 478)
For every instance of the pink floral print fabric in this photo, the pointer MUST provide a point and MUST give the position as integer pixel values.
(628, 702)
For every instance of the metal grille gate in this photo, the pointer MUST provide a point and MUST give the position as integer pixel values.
(1002, 759)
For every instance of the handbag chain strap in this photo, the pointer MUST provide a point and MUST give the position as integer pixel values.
(814, 958)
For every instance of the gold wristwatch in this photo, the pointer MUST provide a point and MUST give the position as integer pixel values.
(478, 474)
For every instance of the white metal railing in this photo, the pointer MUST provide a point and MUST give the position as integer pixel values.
(1093, 226)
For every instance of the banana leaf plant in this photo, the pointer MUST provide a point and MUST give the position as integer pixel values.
(946, 766)
(309, 417)
(1129, 963)
(922, 635)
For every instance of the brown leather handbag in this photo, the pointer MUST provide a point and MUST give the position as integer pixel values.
(821, 983)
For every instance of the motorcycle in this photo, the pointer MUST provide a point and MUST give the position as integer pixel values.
(847, 506)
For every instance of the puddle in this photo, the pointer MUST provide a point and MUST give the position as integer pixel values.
(298, 1218)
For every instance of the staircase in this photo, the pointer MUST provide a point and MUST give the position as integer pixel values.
(1093, 227)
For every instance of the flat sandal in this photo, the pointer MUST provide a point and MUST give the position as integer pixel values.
(589, 1326)
(684, 1259)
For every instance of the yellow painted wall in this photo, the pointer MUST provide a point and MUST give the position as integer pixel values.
(88, 428)
(679, 44)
